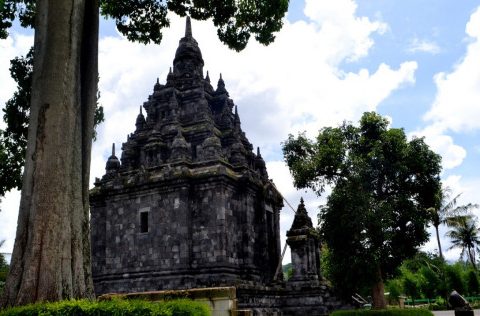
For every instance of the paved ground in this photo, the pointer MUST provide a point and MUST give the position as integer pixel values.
(451, 313)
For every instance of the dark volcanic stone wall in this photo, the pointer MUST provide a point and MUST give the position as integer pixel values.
(189, 204)
(201, 233)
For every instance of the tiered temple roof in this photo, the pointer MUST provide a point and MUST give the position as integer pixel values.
(187, 122)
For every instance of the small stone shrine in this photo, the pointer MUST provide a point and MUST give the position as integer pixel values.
(304, 243)
(189, 204)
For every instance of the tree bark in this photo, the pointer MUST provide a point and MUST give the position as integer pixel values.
(439, 245)
(471, 256)
(51, 255)
(378, 292)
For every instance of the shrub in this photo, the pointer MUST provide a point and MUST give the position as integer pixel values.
(386, 312)
(472, 282)
(395, 291)
(439, 305)
(410, 285)
(455, 278)
(113, 307)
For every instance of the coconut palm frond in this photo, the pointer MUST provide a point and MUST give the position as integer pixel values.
(449, 213)
(462, 209)
(458, 220)
(446, 208)
(465, 235)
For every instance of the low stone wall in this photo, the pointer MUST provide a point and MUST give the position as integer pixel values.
(288, 300)
(221, 300)
(251, 300)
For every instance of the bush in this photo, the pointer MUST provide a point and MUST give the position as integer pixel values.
(385, 312)
(439, 305)
(395, 291)
(113, 307)
(455, 278)
(472, 283)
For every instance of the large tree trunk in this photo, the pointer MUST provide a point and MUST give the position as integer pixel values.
(51, 256)
(378, 292)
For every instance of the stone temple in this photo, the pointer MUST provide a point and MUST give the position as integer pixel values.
(190, 205)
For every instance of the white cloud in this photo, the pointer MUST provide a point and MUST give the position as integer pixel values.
(424, 46)
(457, 103)
(452, 154)
(340, 27)
(456, 106)
(452, 182)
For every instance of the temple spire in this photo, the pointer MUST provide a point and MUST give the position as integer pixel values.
(157, 86)
(236, 119)
(221, 86)
(113, 164)
(169, 77)
(188, 27)
(301, 207)
(140, 122)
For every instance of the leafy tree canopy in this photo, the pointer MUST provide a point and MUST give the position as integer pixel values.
(383, 186)
(144, 20)
(435, 278)
(14, 138)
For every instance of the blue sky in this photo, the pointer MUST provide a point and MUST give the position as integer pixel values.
(417, 62)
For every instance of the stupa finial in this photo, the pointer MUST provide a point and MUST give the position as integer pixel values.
(188, 27)
(113, 149)
(221, 86)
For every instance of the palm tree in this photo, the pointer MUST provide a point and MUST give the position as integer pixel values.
(448, 213)
(465, 235)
